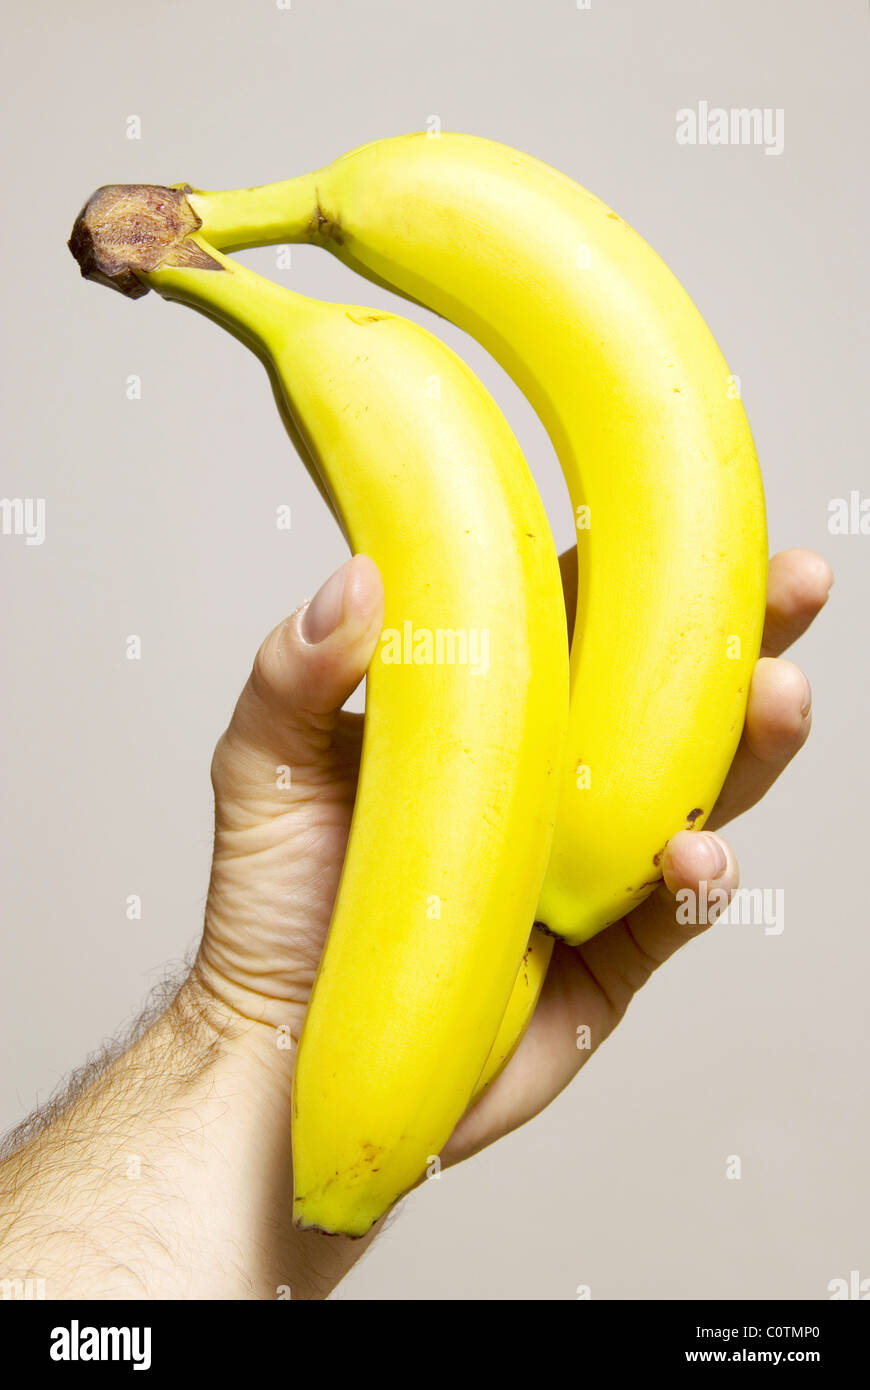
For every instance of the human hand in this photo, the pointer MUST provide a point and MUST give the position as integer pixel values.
(279, 850)
(185, 1190)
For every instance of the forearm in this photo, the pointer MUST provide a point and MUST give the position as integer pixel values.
(169, 1176)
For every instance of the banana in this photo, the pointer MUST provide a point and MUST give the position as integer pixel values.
(466, 707)
(521, 1005)
(653, 441)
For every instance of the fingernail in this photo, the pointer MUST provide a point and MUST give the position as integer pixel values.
(714, 853)
(323, 613)
(808, 698)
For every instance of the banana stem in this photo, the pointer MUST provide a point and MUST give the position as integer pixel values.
(247, 305)
(245, 302)
(272, 213)
(136, 237)
(139, 236)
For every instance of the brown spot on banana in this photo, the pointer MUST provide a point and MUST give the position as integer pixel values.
(323, 226)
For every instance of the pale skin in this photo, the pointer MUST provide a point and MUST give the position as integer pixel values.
(167, 1174)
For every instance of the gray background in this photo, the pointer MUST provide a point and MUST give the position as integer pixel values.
(161, 522)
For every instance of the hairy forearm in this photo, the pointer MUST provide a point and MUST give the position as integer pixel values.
(168, 1175)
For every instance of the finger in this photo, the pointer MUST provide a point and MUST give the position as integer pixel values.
(798, 585)
(778, 722)
(700, 867)
(309, 665)
(588, 988)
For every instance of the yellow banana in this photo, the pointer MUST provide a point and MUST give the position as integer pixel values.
(521, 1005)
(465, 713)
(653, 441)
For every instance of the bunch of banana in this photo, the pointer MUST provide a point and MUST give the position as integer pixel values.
(655, 447)
(653, 441)
(458, 784)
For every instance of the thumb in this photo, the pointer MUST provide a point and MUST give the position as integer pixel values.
(309, 665)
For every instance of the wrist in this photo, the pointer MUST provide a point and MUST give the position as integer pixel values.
(168, 1173)
(262, 1029)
